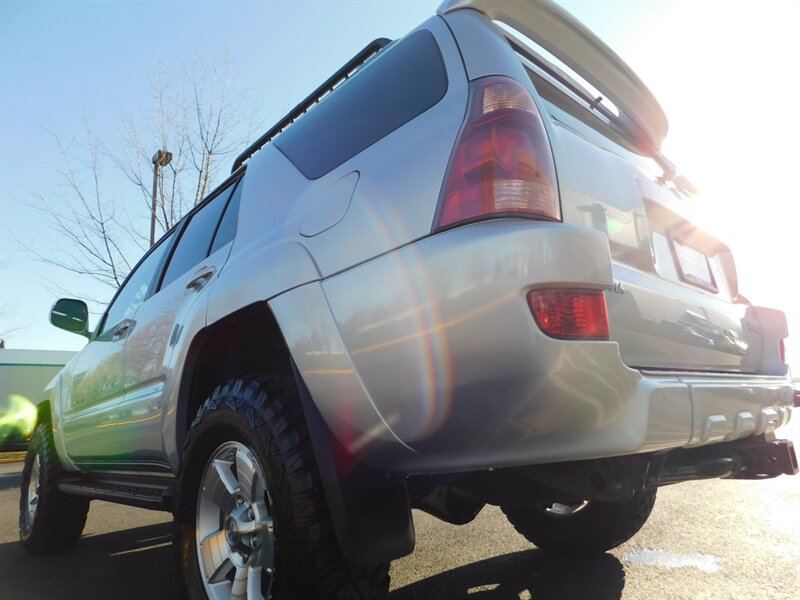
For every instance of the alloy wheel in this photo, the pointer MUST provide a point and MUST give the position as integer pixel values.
(33, 488)
(235, 535)
(559, 509)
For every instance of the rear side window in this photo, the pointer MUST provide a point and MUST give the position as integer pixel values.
(227, 227)
(403, 81)
(195, 240)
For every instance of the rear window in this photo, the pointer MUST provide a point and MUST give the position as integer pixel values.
(403, 81)
(227, 227)
(195, 241)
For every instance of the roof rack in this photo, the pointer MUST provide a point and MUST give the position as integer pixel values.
(334, 80)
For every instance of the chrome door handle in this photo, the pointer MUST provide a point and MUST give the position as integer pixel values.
(198, 282)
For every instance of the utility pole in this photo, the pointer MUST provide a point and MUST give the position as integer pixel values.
(160, 160)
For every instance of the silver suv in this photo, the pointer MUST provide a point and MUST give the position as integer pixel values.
(459, 273)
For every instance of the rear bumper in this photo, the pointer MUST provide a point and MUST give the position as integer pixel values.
(444, 346)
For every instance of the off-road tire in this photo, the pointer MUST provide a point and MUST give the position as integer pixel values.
(596, 528)
(59, 518)
(264, 413)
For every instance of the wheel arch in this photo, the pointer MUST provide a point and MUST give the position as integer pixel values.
(255, 334)
(369, 508)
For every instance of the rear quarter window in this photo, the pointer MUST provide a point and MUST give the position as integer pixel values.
(402, 82)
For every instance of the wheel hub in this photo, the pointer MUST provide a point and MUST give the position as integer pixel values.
(244, 531)
(232, 532)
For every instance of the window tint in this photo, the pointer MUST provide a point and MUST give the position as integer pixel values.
(195, 240)
(227, 227)
(134, 290)
(403, 81)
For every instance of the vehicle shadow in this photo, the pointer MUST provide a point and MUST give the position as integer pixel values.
(530, 573)
(133, 563)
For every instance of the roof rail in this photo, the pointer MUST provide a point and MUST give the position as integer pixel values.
(334, 80)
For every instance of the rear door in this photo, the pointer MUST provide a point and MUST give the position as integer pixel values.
(175, 310)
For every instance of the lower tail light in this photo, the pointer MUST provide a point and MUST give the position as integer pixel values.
(570, 314)
(502, 163)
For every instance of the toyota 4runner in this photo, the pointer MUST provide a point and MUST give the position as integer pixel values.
(459, 273)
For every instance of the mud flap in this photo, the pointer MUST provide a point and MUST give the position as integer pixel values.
(370, 509)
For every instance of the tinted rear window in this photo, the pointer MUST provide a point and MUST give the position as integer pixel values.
(405, 80)
(195, 240)
(227, 227)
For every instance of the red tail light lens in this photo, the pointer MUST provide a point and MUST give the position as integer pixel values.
(570, 314)
(503, 163)
(783, 352)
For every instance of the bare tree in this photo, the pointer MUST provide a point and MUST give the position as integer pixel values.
(99, 231)
(93, 236)
(8, 312)
(201, 121)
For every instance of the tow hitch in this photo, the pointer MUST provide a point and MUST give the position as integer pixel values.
(765, 460)
(752, 458)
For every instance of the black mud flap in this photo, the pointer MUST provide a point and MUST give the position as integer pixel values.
(370, 509)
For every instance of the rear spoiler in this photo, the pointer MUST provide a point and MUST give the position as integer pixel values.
(566, 38)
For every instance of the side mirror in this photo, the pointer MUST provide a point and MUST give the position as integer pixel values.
(70, 315)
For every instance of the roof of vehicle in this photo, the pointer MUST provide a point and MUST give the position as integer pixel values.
(566, 38)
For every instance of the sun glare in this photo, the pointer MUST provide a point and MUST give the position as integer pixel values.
(19, 418)
(728, 77)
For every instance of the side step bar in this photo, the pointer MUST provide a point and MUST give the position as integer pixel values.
(156, 493)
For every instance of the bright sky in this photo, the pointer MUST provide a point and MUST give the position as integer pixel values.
(727, 75)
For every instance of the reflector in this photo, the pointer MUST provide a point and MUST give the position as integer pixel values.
(570, 314)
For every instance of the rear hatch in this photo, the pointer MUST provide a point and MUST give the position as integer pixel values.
(672, 305)
(675, 303)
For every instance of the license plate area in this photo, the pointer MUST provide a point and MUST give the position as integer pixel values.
(692, 264)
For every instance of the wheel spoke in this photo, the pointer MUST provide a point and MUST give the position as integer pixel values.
(33, 488)
(240, 584)
(245, 473)
(214, 554)
(254, 591)
(267, 544)
(221, 574)
(223, 469)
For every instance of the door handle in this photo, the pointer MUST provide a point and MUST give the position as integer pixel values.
(120, 331)
(198, 282)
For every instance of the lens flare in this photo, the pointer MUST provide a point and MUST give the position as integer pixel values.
(18, 419)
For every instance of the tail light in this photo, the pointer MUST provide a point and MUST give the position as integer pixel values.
(570, 314)
(503, 164)
(783, 352)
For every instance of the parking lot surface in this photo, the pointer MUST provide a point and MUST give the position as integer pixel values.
(710, 539)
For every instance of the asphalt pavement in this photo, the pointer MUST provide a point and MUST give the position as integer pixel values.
(712, 539)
